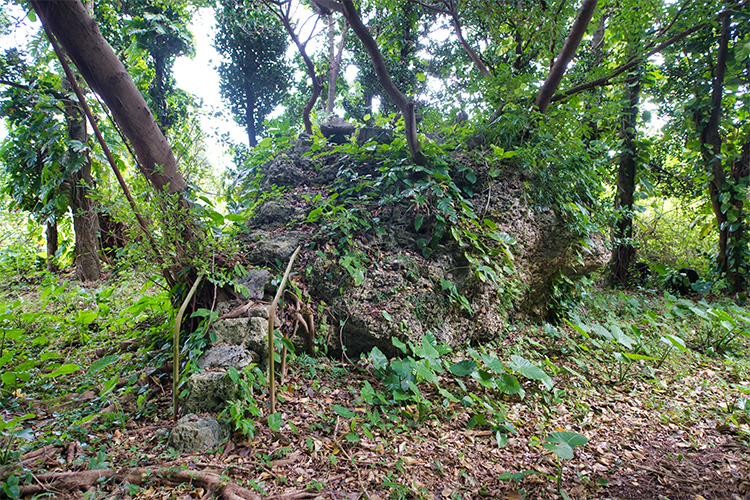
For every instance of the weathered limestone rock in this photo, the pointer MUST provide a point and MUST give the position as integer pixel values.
(226, 355)
(337, 130)
(377, 134)
(209, 392)
(401, 294)
(248, 332)
(282, 171)
(277, 213)
(268, 249)
(194, 434)
(255, 281)
(303, 144)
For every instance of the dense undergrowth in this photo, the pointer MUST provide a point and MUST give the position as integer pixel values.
(83, 371)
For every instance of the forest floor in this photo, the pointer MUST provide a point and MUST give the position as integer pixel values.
(679, 430)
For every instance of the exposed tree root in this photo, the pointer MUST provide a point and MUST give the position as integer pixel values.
(219, 486)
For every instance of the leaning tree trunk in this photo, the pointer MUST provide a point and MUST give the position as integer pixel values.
(85, 218)
(79, 35)
(622, 256)
(478, 62)
(317, 81)
(566, 55)
(404, 104)
(77, 32)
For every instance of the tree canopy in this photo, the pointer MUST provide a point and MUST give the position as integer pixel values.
(553, 84)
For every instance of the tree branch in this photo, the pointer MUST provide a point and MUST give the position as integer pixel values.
(404, 104)
(633, 62)
(566, 55)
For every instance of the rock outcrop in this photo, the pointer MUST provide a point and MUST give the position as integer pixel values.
(393, 290)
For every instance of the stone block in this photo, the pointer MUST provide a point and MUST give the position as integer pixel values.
(194, 434)
(209, 392)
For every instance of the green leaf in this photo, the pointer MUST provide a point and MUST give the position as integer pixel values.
(26, 434)
(275, 421)
(572, 439)
(422, 369)
(621, 337)
(359, 276)
(233, 374)
(352, 437)
(387, 315)
(414, 389)
(63, 370)
(418, 221)
(378, 359)
(577, 328)
(104, 362)
(494, 363)
(85, 317)
(501, 439)
(562, 450)
(367, 393)
(8, 378)
(601, 331)
(530, 370)
(398, 344)
(463, 368)
(675, 341)
(430, 353)
(638, 357)
(508, 384)
(13, 334)
(235, 217)
(9, 355)
(215, 217)
(344, 412)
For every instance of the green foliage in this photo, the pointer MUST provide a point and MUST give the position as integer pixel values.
(242, 411)
(253, 80)
(37, 156)
(714, 328)
(42, 341)
(476, 382)
(620, 350)
(443, 214)
(562, 443)
(675, 234)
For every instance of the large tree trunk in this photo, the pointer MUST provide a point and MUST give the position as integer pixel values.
(711, 145)
(79, 35)
(622, 257)
(566, 55)
(85, 218)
